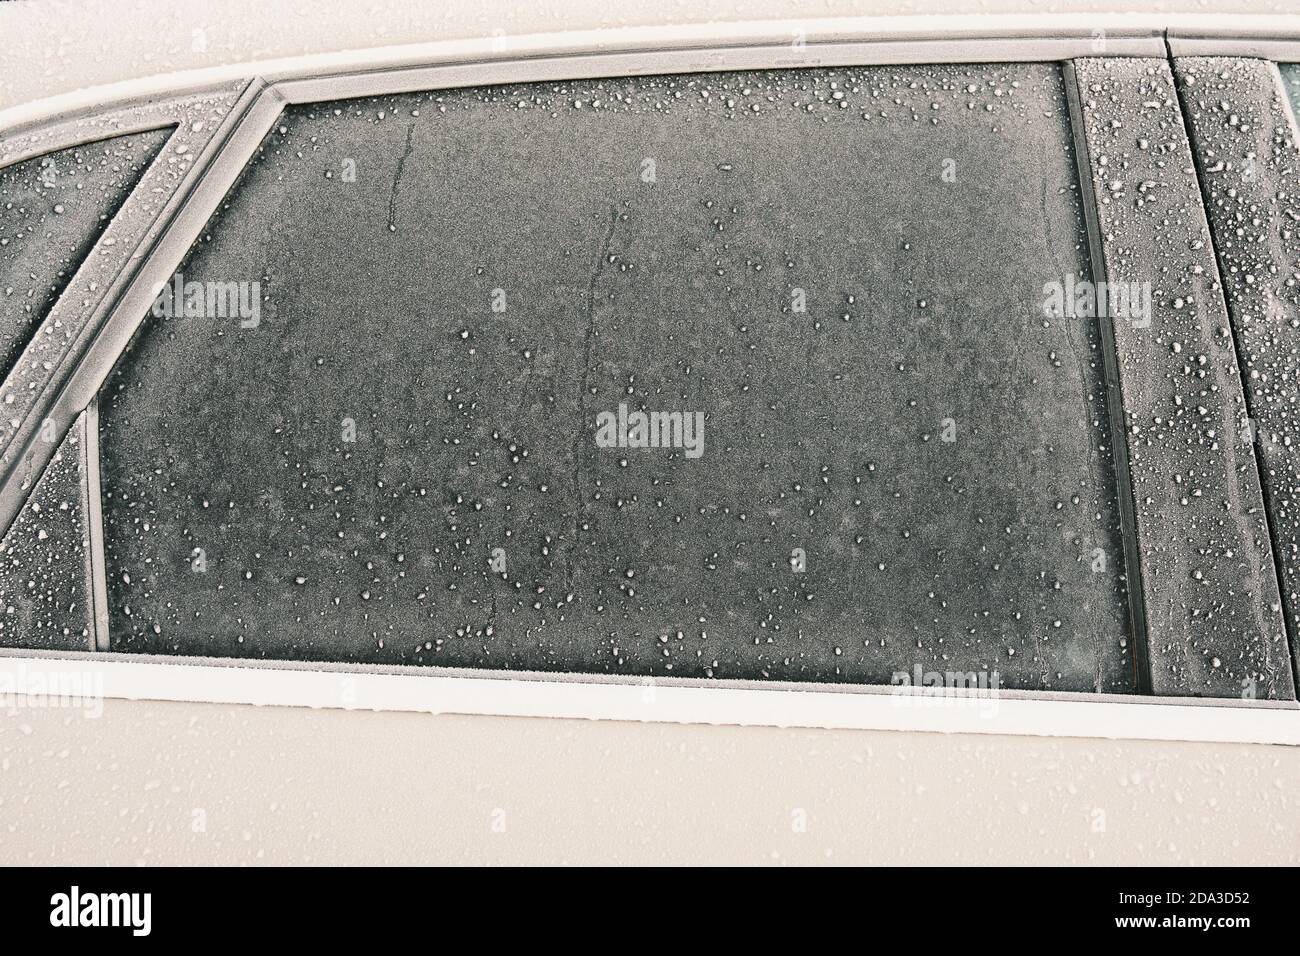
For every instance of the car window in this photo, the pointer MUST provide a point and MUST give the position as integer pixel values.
(1290, 73)
(44, 559)
(52, 210)
(746, 375)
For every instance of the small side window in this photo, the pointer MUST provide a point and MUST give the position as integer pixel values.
(45, 599)
(52, 211)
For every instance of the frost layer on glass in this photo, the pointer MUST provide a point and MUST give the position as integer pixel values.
(44, 560)
(1291, 82)
(52, 210)
(746, 375)
(1245, 142)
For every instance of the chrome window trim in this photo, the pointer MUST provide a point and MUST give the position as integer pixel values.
(881, 39)
(1283, 49)
(765, 56)
(439, 690)
(110, 120)
(442, 690)
(70, 134)
(94, 512)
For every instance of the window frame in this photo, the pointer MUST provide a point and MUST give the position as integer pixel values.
(1236, 40)
(459, 64)
(133, 232)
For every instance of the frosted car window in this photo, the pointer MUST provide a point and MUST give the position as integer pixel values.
(1291, 82)
(44, 559)
(52, 210)
(746, 375)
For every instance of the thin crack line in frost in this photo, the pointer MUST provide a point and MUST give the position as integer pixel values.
(397, 180)
(582, 388)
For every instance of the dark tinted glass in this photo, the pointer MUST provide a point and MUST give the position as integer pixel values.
(395, 417)
(52, 210)
(1291, 82)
